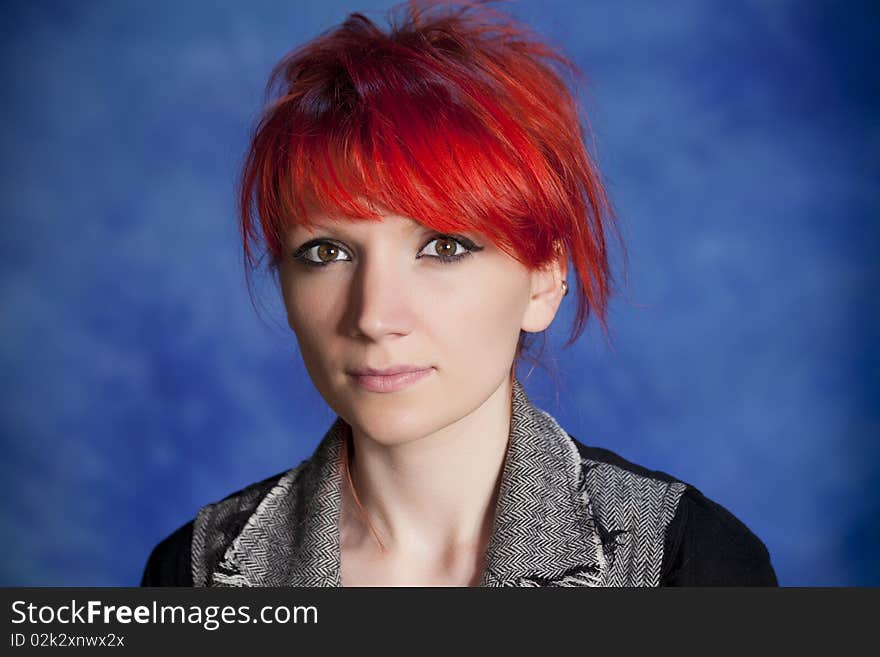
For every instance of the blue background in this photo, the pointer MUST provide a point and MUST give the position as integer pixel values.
(137, 383)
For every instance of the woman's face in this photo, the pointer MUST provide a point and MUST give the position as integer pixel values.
(380, 294)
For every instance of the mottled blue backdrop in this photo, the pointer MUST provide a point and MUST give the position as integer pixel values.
(137, 383)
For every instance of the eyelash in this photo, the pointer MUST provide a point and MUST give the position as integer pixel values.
(462, 241)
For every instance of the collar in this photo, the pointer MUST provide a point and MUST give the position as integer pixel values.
(543, 533)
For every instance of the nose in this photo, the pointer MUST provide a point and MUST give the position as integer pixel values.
(379, 299)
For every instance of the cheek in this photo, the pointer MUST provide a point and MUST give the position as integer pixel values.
(489, 315)
(310, 316)
(485, 321)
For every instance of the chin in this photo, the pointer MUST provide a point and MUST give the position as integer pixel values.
(394, 421)
(389, 425)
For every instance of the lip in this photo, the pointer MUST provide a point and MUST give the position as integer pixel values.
(391, 379)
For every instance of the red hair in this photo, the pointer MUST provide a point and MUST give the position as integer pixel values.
(454, 116)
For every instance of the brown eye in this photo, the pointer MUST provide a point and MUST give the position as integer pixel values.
(320, 252)
(327, 252)
(447, 249)
(444, 247)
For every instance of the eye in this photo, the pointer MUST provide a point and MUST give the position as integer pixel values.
(320, 253)
(447, 248)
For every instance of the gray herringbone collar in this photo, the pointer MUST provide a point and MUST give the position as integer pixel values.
(543, 532)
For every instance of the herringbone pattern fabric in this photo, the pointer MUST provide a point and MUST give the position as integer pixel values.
(634, 512)
(543, 529)
(217, 526)
(560, 520)
(292, 537)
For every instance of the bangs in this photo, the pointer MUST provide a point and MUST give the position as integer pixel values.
(416, 155)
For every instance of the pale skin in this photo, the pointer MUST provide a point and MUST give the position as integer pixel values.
(428, 458)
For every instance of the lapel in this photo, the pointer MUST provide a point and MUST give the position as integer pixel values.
(543, 533)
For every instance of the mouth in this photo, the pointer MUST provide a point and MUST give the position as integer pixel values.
(390, 382)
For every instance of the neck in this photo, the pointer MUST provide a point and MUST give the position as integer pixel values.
(435, 494)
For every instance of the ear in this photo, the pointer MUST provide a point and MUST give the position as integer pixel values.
(546, 292)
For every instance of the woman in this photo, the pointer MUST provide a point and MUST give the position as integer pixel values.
(419, 194)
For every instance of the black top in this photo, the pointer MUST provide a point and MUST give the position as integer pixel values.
(705, 544)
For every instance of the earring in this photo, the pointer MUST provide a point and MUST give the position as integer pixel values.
(564, 288)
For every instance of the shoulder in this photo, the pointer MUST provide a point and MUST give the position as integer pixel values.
(169, 562)
(605, 459)
(703, 544)
(708, 546)
(620, 490)
(215, 526)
